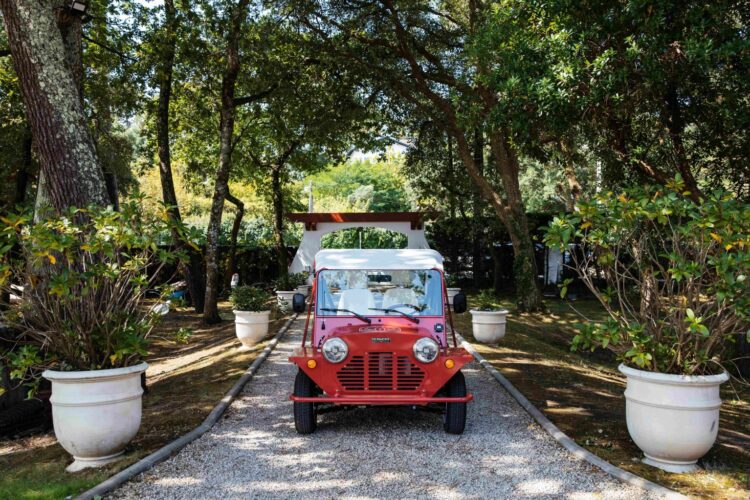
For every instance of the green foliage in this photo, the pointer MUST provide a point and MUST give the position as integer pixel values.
(85, 275)
(487, 301)
(250, 298)
(289, 282)
(675, 274)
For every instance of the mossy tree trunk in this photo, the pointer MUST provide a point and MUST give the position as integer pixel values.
(51, 94)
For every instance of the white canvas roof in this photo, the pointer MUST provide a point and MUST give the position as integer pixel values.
(408, 258)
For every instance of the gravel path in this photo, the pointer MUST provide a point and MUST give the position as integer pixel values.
(254, 452)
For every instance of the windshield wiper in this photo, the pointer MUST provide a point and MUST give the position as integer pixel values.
(358, 316)
(402, 313)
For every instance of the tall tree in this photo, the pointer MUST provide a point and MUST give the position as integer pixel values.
(52, 98)
(237, 16)
(422, 55)
(192, 269)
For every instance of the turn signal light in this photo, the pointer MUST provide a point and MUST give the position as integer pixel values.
(449, 363)
(311, 363)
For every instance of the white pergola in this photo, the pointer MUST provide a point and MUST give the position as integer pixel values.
(318, 225)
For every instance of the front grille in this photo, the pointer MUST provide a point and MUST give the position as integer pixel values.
(380, 371)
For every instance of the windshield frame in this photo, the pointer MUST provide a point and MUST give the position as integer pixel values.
(379, 314)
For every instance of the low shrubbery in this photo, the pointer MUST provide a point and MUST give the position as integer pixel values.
(289, 282)
(249, 298)
(673, 275)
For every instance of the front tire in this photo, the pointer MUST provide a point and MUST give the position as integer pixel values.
(455, 413)
(305, 418)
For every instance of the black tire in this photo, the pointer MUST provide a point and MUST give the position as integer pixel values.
(305, 418)
(454, 420)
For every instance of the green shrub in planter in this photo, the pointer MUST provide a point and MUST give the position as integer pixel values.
(672, 274)
(487, 301)
(250, 298)
(290, 282)
(85, 275)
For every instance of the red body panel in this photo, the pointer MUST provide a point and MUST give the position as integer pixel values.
(380, 369)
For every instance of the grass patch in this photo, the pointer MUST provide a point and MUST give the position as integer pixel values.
(185, 382)
(582, 393)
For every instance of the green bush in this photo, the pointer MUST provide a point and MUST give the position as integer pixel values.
(487, 301)
(85, 275)
(290, 282)
(250, 298)
(672, 274)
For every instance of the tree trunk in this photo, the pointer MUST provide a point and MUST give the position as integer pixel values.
(282, 259)
(67, 156)
(231, 258)
(192, 269)
(221, 187)
(477, 226)
(528, 295)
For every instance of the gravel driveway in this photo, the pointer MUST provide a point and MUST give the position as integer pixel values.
(254, 451)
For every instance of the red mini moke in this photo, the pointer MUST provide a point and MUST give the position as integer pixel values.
(379, 337)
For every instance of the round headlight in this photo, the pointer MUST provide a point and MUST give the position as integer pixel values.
(335, 350)
(426, 350)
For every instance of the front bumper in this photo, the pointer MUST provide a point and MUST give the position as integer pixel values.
(385, 400)
(377, 373)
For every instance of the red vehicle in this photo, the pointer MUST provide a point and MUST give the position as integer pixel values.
(376, 335)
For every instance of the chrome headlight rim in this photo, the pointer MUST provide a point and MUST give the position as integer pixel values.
(329, 344)
(419, 353)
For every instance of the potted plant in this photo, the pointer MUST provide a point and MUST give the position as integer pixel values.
(251, 314)
(301, 280)
(452, 288)
(286, 287)
(82, 317)
(671, 274)
(488, 319)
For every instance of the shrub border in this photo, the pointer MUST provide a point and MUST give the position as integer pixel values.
(578, 452)
(173, 447)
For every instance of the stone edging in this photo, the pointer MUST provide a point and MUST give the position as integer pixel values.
(171, 448)
(569, 444)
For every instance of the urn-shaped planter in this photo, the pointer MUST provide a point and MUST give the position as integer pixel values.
(251, 326)
(673, 419)
(96, 413)
(488, 327)
(284, 299)
(451, 292)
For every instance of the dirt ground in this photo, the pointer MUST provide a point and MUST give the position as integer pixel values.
(185, 381)
(583, 395)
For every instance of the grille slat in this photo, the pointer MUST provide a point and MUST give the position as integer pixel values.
(380, 371)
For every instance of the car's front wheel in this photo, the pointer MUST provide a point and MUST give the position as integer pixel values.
(305, 418)
(454, 420)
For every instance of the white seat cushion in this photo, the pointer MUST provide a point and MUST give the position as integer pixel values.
(359, 300)
(396, 296)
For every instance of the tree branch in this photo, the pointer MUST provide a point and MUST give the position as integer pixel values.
(239, 101)
(108, 48)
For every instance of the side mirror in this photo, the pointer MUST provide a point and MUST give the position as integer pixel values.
(298, 303)
(459, 303)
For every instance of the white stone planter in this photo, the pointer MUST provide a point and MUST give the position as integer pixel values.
(452, 292)
(303, 289)
(488, 327)
(96, 413)
(284, 299)
(251, 327)
(673, 419)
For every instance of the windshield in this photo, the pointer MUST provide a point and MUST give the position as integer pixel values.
(369, 293)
